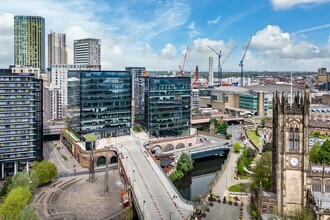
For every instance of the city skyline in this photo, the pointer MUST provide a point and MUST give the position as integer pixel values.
(287, 35)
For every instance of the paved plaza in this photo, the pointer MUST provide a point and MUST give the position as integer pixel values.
(77, 198)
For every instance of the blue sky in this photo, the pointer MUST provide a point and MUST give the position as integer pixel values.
(286, 34)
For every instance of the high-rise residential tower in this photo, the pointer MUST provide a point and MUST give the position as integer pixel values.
(21, 121)
(87, 51)
(29, 41)
(57, 53)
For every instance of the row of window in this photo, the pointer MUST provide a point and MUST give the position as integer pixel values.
(19, 155)
(26, 137)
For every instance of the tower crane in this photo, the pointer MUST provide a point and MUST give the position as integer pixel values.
(184, 62)
(228, 56)
(241, 63)
(219, 65)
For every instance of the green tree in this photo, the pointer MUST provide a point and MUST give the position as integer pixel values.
(222, 128)
(314, 153)
(267, 147)
(14, 202)
(34, 181)
(215, 122)
(5, 188)
(320, 154)
(46, 171)
(262, 171)
(28, 212)
(237, 147)
(21, 179)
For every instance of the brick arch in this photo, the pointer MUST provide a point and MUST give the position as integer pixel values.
(180, 145)
(168, 147)
(156, 149)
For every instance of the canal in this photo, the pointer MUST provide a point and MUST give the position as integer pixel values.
(195, 182)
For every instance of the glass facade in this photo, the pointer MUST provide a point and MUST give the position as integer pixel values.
(21, 119)
(250, 102)
(165, 108)
(99, 102)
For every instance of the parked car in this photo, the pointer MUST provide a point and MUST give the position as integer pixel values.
(206, 139)
(226, 143)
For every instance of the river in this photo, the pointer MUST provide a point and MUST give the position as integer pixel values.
(195, 182)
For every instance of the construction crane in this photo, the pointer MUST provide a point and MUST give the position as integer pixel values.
(228, 56)
(241, 63)
(184, 62)
(219, 65)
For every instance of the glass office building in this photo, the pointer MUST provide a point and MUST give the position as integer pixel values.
(163, 105)
(99, 102)
(250, 102)
(21, 121)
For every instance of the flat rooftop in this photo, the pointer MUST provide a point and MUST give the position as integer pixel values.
(257, 88)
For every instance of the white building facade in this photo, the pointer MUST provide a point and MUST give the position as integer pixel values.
(58, 76)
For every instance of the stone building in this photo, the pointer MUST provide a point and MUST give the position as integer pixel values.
(297, 184)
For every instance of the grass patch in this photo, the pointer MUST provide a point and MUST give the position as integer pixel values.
(71, 136)
(90, 137)
(244, 187)
(253, 137)
(236, 188)
(64, 158)
(237, 147)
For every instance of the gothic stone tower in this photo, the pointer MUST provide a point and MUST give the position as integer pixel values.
(290, 151)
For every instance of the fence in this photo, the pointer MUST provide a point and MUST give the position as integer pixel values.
(217, 176)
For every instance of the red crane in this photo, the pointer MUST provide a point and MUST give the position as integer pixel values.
(184, 62)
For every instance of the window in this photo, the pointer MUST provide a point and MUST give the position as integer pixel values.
(294, 138)
(316, 187)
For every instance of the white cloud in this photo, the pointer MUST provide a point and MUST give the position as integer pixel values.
(214, 21)
(270, 37)
(193, 30)
(285, 4)
(125, 35)
(273, 42)
(169, 51)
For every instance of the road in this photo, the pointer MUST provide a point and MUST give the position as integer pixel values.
(151, 185)
(64, 167)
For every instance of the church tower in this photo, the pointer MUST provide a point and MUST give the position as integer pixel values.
(290, 150)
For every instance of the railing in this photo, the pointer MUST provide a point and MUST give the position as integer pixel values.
(177, 192)
(217, 176)
(137, 207)
(172, 185)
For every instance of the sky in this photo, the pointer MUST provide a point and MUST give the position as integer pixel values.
(287, 35)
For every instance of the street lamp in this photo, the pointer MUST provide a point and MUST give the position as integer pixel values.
(126, 163)
(133, 178)
(171, 215)
(144, 202)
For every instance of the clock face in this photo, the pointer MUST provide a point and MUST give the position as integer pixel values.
(294, 161)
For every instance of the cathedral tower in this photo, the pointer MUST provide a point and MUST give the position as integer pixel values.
(290, 150)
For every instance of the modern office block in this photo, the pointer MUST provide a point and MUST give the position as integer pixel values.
(58, 75)
(29, 41)
(87, 51)
(163, 105)
(21, 121)
(57, 53)
(99, 102)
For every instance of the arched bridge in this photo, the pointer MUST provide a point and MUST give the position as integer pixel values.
(209, 151)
